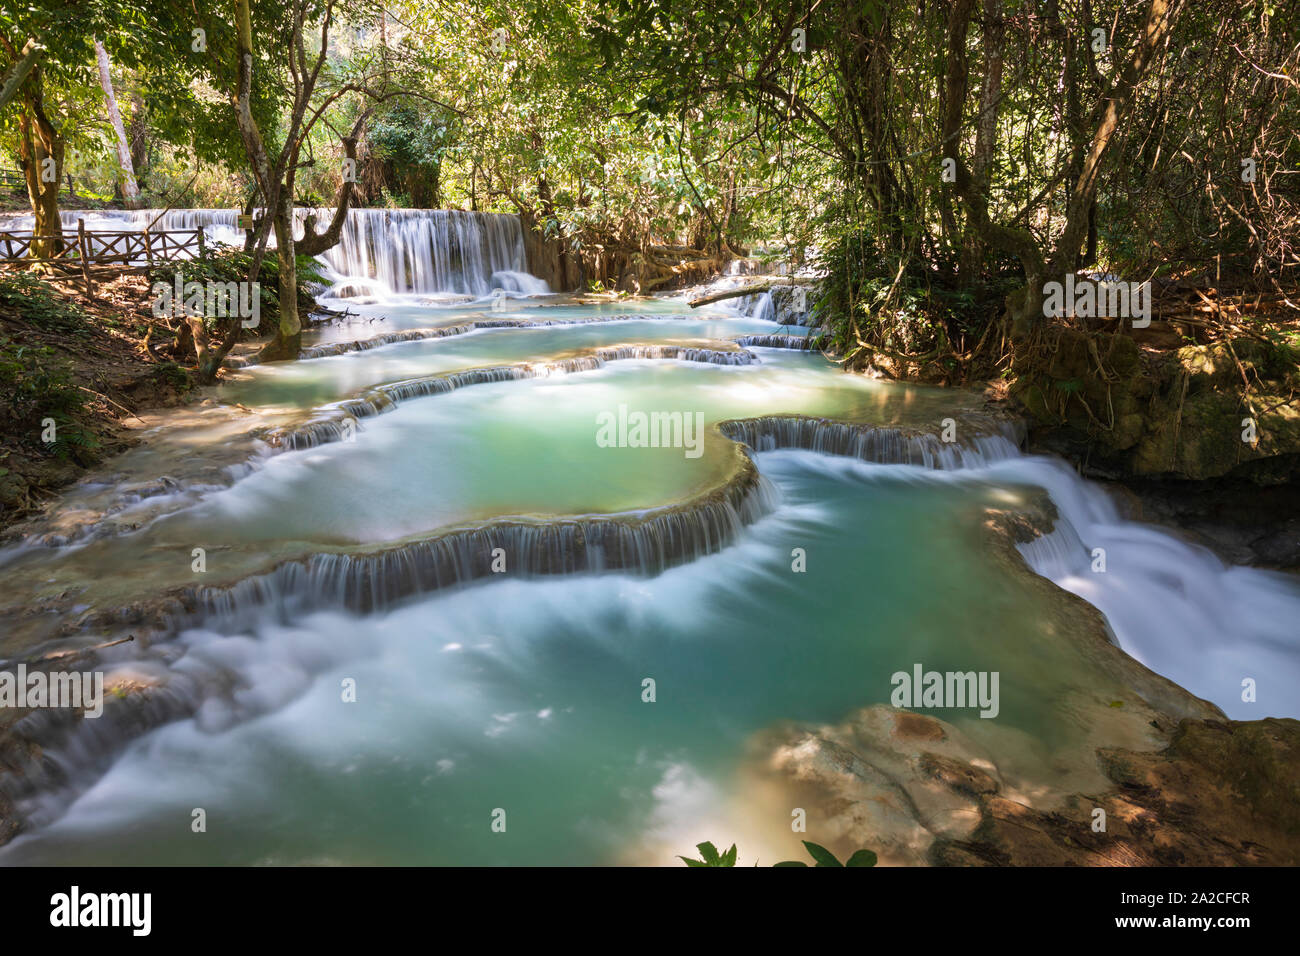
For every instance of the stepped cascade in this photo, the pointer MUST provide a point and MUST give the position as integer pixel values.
(420, 504)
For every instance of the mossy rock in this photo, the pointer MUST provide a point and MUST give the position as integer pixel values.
(1181, 414)
(1128, 430)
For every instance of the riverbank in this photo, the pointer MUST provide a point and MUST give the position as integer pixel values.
(77, 375)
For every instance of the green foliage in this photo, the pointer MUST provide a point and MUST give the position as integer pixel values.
(33, 389)
(225, 264)
(824, 857)
(412, 144)
(39, 305)
(709, 856)
(916, 312)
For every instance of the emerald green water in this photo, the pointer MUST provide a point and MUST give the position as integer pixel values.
(526, 696)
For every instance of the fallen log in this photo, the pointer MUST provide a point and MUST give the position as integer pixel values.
(751, 289)
(754, 287)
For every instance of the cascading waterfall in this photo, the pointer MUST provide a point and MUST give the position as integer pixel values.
(757, 305)
(434, 250)
(380, 251)
(802, 343)
(78, 750)
(879, 445)
(1169, 603)
(646, 544)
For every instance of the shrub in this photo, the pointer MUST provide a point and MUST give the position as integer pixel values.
(39, 305)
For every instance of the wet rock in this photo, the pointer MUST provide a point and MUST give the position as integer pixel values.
(917, 727)
(1221, 793)
(958, 776)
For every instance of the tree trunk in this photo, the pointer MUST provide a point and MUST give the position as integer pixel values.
(275, 179)
(288, 334)
(986, 130)
(39, 141)
(27, 61)
(130, 190)
(1113, 108)
(139, 137)
(1026, 303)
(546, 201)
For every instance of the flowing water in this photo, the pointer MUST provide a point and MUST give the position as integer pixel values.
(349, 504)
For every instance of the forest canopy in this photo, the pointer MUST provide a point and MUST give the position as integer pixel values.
(960, 154)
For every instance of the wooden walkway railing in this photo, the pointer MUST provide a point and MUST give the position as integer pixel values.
(15, 181)
(89, 251)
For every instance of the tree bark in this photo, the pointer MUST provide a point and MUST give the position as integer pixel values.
(313, 243)
(1023, 305)
(139, 136)
(986, 129)
(130, 189)
(275, 176)
(39, 141)
(27, 61)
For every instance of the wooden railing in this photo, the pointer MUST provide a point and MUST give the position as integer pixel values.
(15, 180)
(99, 252)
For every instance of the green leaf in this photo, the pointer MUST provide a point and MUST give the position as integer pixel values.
(791, 863)
(862, 858)
(823, 856)
(708, 852)
(689, 862)
(729, 858)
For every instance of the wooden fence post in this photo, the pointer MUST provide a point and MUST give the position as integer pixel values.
(148, 246)
(83, 251)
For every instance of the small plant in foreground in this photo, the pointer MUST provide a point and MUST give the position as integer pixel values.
(709, 856)
(825, 857)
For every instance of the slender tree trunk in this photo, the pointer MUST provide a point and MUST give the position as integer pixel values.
(288, 334)
(1023, 305)
(986, 129)
(126, 178)
(139, 137)
(1114, 108)
(275, 177)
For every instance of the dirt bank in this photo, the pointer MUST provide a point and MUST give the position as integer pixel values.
(75, 372)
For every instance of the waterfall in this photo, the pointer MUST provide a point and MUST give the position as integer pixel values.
(804, 343)
(380, 251)
(432, 251)
(645, 544)
(75, 752)
(757, 305)
(999, 441)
